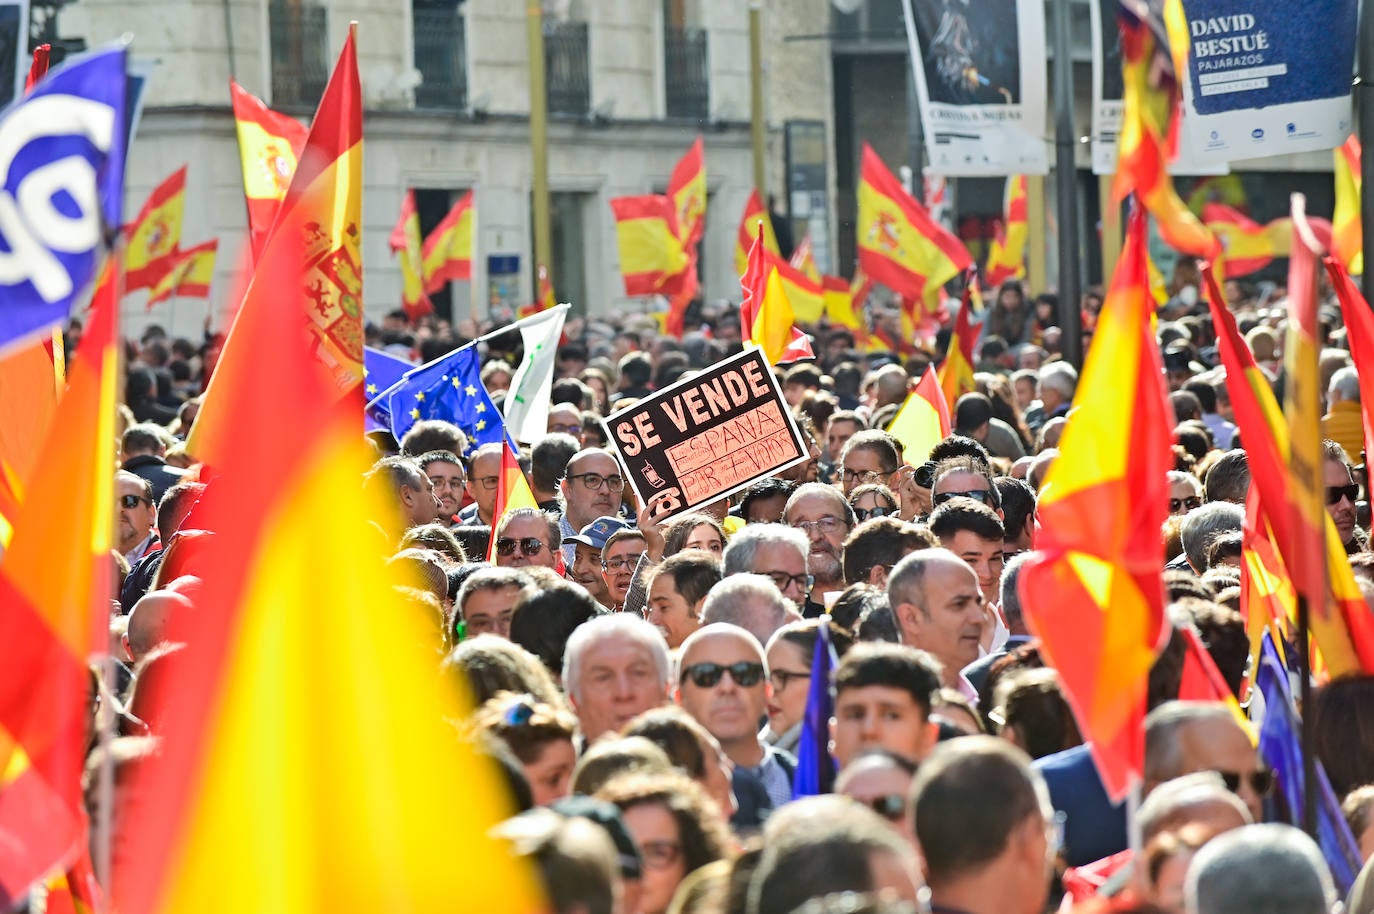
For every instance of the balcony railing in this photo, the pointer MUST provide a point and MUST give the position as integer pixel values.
(441, 56)
(566, 73)
(687, 73)
(300, 53)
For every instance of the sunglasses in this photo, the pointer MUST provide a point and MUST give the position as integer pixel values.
(879, 511)
(982, 495)
(529, 546)
(1189, 503)
(707, 675)
(133, 501)
(1334, 494)
(1261, 782)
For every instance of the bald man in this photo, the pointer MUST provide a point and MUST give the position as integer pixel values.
(149, 621)
(939, 608)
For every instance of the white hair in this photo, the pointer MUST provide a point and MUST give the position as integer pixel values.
(1345, 382)
(750, 601)
(739, 553)
(1061, 377)
(1259, 869)
(603, 628)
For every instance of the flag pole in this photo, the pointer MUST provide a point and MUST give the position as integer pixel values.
(539, 139)
(757, 122)
(1066, 189)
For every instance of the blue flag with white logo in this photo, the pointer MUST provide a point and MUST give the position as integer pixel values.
(61, 189)
(449, 388)
(381, 370)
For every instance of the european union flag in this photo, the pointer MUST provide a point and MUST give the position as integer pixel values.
(380, 371)
(1281, 748)
(815, 766)
(448, 388)
(61, 189)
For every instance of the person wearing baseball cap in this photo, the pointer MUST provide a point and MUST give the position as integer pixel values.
(586, 566)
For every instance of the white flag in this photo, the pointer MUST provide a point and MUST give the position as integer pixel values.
(527, 401)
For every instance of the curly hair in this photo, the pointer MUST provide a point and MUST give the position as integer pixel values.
(701, 831)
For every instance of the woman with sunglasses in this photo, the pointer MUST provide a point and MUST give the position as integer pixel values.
(675, 827)
(540, 735)
(873, 499)
(1185, 493)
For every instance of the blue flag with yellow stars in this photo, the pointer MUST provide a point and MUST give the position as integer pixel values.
(381, 370)
(449, 388)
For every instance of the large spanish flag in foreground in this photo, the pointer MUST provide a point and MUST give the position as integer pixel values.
(922, 421)
(290, 777)
(900, 245)
(653, 259)
(754, 213)
(54, 607)
(323, 208)
(1007, 253)
(766, 315)
(1093, 592)
(155, 235)
(1154, 49)
(270, 145)
(1347, 233)
(408, 246)
(447, 252)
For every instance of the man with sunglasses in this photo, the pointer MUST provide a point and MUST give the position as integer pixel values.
(1183, 737)
(1341, 495)
(526, 536)
(723, 684)
(591, 488)
(964, 476)
(136, 530)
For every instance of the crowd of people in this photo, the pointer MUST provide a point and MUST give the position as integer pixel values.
(643, 681)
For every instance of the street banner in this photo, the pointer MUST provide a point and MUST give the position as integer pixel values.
(1268, 78)
(980, 77)
(707, 436)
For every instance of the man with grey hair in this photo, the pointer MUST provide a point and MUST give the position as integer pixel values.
(1055, 387)
(1344, 421)
(615, 667)
(751, 602)
(1201, 526)
(776, 551)
(939, 608)
(1260, 869)
(821, 512)
(1183, 737)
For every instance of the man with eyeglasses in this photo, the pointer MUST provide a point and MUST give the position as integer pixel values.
(869, 456)
(586, 571)
(723, 683)
(591, 488)
(777, 552)
(565, 418)
(526, 536)
(820, 511)
(137, 531)
(483, 473)
(1341, 494)
(445, 471)
(619, 557)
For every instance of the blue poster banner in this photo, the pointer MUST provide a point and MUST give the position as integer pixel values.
(1268, 77)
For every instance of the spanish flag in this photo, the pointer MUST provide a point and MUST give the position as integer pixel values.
(448, 250)
(323, 207)
(1224, 189)
(1348, 235)
(1092, 592)
(155, 236)
(512, 491)
(956, 372)
(545, 299)
(766, 316)
(653, 260)
(754, 213)
(54, 611)
(1007, 253)
(900, 245)
(1359, 336)
(190, 275)
(687, 190)
(922, 421)
(1246, 246)
(408, 247)
(285, 778)
(270, 145)
(1154, 50)
(802, 281)
(1340, 623)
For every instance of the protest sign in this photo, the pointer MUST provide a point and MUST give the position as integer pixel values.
(1268, 78)
(980, 77)
(706, 436)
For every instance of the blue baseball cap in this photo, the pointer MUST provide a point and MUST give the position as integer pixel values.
(597, 532)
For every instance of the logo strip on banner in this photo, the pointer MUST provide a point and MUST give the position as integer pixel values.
(980, 77)
(707, 436)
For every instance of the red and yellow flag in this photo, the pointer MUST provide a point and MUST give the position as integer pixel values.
(55, 588)
(956, 372)
(802, 281)
(512, 491)
(1224, 189)
(653, 260)
(900, 245)
(1359, 336)
(155, 236)
(1246, 246)
(448, 250)
(323, 207)
(319, 789)
(408, 246)
(1153, 52)
(1098, 551)
(754, 213)
(1347, 233)
(190, 276)
(922, 421)
(687, 190)
(766, 316)
(270, 145)
(544, 298)
(1007, 253)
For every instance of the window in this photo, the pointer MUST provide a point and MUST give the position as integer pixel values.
(567, 218)
(567, 78)
(686, 71)
(300, 53)
(440, 54)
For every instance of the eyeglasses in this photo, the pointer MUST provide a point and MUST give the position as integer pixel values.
(619, 565)
(133, 501)
(529, 546)
(781, 679)
(1190, 503)
(447, 482)
(864, 514)
(864, 475)
(1334, 494)
(1261, 782)
(983, 495)
(827, 525)
(569, 429)
(785, 580)
(596, 480)
(660, 854)
(487, 482)
(705, 675)
(891, 806)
